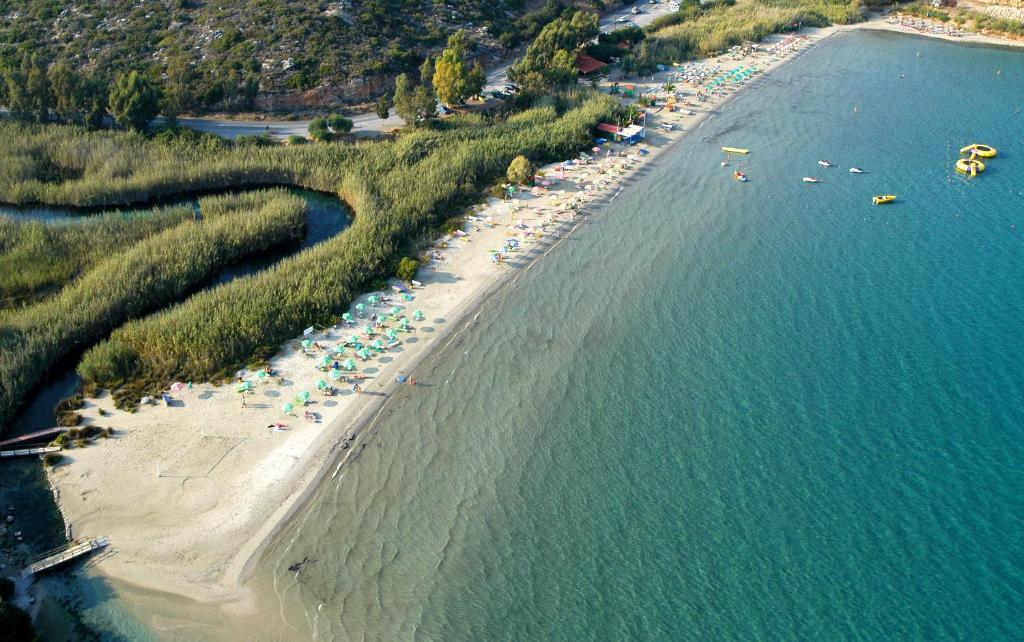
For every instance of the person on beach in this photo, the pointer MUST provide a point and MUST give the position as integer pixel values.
(356, 388)
(412, 381)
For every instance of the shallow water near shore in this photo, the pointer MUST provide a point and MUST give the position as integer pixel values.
(767, 410)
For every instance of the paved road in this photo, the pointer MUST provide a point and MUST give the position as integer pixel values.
(369, 124)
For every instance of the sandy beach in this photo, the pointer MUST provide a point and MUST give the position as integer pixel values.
(191, 493)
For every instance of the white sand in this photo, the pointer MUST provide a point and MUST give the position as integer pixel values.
(189, 495)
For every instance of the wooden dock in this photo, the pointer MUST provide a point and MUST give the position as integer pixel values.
(65, 554)
(24, 452)
(34, 437)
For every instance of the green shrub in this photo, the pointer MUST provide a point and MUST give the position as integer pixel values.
(52, 459)
(519, 170)
(407, 268)
(295, 139)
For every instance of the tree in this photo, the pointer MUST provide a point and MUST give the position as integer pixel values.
(339, 124)
(67, 91)
(383, 107)
(450, 77)
(519, 170)
(476, 80)
(38, 88)
(414, 104)
(318, 130)
(134, 101)
(550, 60)
(407, 268)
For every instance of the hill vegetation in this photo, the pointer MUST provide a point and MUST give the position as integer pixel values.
(235, 55)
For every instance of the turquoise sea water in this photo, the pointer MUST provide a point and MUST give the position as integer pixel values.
(719, 411)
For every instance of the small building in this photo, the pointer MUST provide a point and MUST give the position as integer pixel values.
(587, 65)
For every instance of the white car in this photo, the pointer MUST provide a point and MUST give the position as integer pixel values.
(620, 19)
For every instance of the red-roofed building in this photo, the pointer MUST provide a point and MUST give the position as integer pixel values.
(588, 64)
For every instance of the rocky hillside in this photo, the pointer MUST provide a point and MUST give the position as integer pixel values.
(225, 55)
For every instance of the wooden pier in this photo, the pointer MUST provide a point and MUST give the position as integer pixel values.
(65, 554)
(24, 452)
(34, 437)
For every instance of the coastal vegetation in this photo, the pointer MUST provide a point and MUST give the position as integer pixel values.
(698, 30)
(154, 272)
(399, 190)
(967, 19)
(38, 257)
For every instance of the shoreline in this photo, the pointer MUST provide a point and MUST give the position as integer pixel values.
(222, 583)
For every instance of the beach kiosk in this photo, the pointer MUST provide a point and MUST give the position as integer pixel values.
(629, 135)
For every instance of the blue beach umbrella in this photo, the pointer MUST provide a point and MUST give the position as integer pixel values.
(245, 386)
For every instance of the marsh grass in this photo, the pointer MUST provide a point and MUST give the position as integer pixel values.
(153, 273)
(38, 257)
(706, 32)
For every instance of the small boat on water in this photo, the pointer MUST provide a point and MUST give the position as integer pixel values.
(856, 170)
(883, 199)
(825, 163)
(811, 179)
(740, 176)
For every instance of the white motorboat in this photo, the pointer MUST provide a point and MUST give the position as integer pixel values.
(856, 170)
(825, 163)
(811, 179)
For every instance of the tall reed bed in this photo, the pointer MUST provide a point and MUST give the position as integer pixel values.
(153, 273)
(716, 29)
(424, 179)
(38, 257)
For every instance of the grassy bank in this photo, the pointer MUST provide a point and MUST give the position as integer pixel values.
(37, 258)
(151, 274)
(695, 31)
(399, 192)
(968, 20)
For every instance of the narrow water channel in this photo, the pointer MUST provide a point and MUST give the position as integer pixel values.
(24, 492)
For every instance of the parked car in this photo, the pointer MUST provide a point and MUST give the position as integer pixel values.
(620, 19)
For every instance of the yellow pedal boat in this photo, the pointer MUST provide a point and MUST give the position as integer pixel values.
(970, 166)
(983, 151)
(883, 199)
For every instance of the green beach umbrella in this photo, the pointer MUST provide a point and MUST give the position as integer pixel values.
(360, 307)
(418, 316)
(245, 386)
(368, 331)
(288, 408)
(407, 297)
(302, 397)
(347, 317)
(349, 364)
(339, 349)
(261, 374)
(321, 384)
(404, 322)
(395, 310)
(378, 345)
(373, 299)
(335, 374)
(364, 353)
(326, 360)
(391, 334)
(307, 344)
(353, 339)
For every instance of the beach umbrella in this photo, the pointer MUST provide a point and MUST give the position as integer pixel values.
(404, 322)
(353, 339)
(373, 299)
(368, 331)
(392, 335)
(347, 317)
(307, 344)
(407, 297)
(288, 408)
(349, 364)
(395, 310)
(302, 397)
(261, 374)
(339, 349)
(360, 307)
(377, 345)
(364, 353)
(245, 386)
(326, 360)
(418, 315)
(321, 384)
(335, 375)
